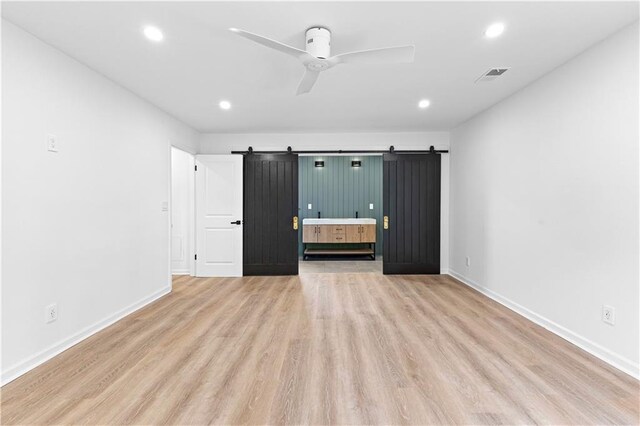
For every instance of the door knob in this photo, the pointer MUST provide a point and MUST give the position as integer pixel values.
(237, 222)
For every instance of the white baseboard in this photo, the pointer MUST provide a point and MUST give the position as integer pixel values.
(621, 363)
(180, 272)
(32, 362)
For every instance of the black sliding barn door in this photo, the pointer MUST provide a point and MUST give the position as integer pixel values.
(270, 244)
(411, 202)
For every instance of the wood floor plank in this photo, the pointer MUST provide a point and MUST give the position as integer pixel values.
(323, 348)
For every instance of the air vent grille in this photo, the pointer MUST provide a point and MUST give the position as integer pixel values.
(492, 74)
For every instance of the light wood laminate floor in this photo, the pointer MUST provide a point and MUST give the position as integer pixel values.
(323, 349)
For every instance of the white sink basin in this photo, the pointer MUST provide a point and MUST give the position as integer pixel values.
(339, 221)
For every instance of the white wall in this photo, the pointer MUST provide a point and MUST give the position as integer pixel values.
(82, 227)
(544, 200)
(214, 143)
(182, 211)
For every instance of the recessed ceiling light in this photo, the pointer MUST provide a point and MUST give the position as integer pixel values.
(225, 105)
(494, 30)
(153, 33)
(424, 103)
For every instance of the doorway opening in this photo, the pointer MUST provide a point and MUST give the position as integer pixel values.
(340, 213)
(182, 212)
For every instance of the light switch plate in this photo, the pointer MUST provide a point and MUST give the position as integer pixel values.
(165, 206)
(52, 143)
(309, 206)
(370, 206)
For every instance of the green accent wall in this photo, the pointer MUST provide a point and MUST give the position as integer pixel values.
(338, 190)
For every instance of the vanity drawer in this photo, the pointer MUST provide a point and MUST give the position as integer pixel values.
(331, 233)
(338, 234)
(339, 238)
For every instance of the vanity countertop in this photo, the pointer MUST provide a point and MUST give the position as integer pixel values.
(339, 221)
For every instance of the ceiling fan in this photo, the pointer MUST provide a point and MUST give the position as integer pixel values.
(316, 56)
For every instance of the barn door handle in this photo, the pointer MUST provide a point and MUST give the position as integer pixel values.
(385, 222)
(295, 223)
(237, 222)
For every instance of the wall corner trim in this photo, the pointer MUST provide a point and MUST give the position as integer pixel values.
(621, 363)
(32, 362)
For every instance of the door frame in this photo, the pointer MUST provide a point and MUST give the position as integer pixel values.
(191, 194)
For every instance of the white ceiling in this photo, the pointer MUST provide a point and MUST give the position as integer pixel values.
(200, 62)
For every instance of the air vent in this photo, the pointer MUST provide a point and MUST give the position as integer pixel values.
(492, 74)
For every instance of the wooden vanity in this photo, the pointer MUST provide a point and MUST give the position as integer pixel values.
(339, 231)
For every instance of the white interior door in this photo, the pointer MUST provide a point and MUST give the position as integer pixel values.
(218, 208)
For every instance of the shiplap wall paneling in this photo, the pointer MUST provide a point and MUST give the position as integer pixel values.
(338, 190)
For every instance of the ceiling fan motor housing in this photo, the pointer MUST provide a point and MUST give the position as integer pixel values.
(318, 42)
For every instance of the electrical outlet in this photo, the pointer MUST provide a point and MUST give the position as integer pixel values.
(51, 313)
(467, 261)
(609, 314)
(52, 143)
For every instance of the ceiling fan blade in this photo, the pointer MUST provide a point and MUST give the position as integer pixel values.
(289, 50)
(385, 55)
(308, 80)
